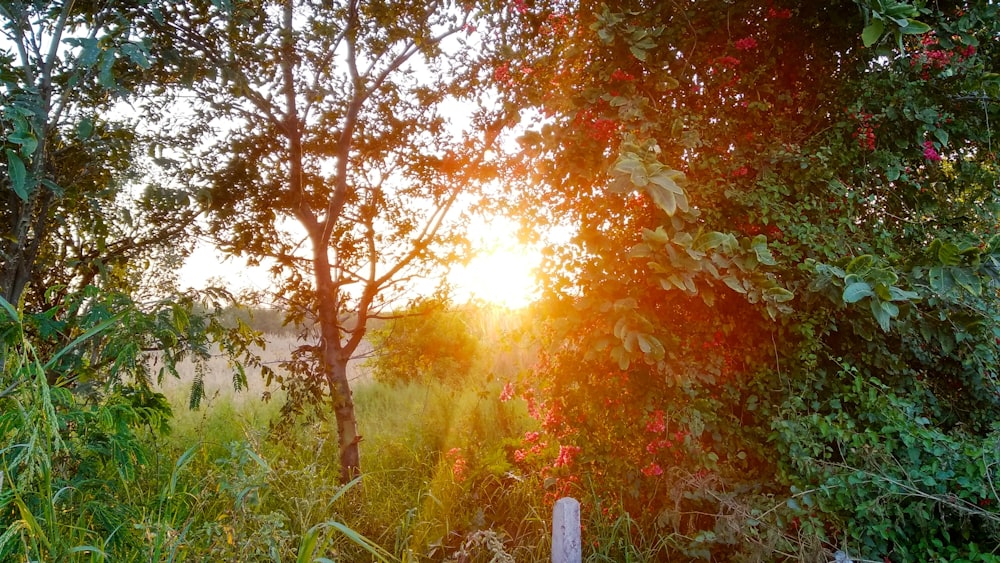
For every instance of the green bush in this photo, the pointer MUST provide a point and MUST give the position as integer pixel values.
(429, 342)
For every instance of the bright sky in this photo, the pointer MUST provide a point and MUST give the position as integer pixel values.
(501, 272)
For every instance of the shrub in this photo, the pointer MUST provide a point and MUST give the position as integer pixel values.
(429, 342)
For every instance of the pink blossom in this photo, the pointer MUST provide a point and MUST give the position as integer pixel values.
(507, 393)
(502, 73)
(930, 153)
(459, 466)
(656, 425)
(566, 455)
(727, 61)
(652, 470)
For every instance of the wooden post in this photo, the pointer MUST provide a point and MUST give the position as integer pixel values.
(566, 546)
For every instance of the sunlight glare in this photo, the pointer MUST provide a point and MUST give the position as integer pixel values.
(503, 271)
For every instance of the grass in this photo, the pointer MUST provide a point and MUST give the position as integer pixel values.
(222, 486)
(410, 502)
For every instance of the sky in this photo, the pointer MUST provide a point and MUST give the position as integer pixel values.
(501, 272)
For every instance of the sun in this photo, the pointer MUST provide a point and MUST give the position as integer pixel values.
(503, 271)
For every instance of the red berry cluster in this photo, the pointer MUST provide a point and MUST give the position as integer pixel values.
(931, 56)
(865, 133)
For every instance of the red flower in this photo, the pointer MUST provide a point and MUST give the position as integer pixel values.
(782, 14)
(459, 466)
(652, 470)
(727, 61)
(930, 153)
(622, 76)
(566, 456)
(656, 425)
(502, 73)
(746, 44)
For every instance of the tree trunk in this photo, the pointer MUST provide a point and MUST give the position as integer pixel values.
(347, 423)
(335, 358)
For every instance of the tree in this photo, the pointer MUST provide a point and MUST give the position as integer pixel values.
(336, 119)
(69, 220)
(785, 272)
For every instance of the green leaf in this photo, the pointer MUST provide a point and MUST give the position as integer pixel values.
(137, 54)
(778, 294)
(949, 254)
(857, 291)
(710, 240)
(663, 198)
(942, 136)
(619, 354)
(759, 247)
(106, 78)
(18, 174)
(734, 284)
(890, 308)
(665, 191)
(634, 168)
(638, 52)
(26, 139)
(872, 32)
(897, 294)
(10, 310)
(84, 337)
(669, 179)
(641, 250)
(940, 280)
(84, 129)
(901, 10)
(860, 265)
(651, 346)
(307, 545)
(659, 236)
(915, 27)
(968, 280)
(881, 314)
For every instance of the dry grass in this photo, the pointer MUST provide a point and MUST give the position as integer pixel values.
(218, 375)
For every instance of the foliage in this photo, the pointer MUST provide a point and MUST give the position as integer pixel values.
(78, 406)
(784, 276)
(339, 120)
(69, 215)
(426, 343)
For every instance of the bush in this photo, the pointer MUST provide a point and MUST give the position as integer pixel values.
(429, 342)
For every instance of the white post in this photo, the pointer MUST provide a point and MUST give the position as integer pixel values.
(566, 546)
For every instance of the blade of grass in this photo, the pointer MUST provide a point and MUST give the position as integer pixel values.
(308, 545)
(10, 310)
(31, 523)
(181, 462)
(371, 547)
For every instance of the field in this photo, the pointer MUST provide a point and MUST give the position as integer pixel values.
(437, 484)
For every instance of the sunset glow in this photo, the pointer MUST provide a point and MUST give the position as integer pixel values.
(501, 273)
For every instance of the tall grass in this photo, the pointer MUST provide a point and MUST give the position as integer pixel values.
(438, 483)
